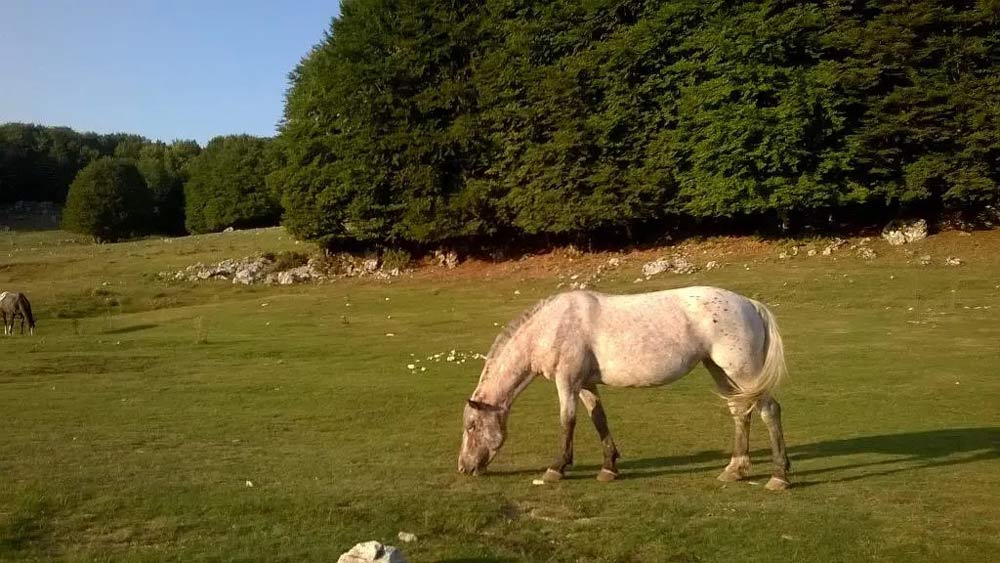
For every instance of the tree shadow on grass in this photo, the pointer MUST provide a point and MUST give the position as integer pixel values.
(900, 453)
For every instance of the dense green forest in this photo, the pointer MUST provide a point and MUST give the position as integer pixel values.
(420, 122)
(182, 186)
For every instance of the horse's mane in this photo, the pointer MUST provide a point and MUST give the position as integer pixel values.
(510, 328)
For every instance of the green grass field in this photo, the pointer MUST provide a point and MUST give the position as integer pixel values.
(136, 420)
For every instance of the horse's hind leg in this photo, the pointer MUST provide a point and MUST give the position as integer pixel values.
(592, 401)
(770, 412)
(739, 464)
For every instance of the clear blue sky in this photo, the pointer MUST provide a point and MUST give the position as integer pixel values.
(166, 69)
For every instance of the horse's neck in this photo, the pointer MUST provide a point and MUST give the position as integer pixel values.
(505, 375)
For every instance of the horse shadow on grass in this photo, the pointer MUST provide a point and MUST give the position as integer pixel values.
(896, 453)
(132, 328)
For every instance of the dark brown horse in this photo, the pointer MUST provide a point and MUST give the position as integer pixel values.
(13, 305)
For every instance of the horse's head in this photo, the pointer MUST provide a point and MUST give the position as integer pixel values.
(485, 427)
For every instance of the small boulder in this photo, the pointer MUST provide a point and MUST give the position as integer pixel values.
(372, 552)
(953, 261)
(228, 230)
(898, 233)
(655, 267)
(676, 265)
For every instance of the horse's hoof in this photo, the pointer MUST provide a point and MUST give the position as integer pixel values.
(729, 476)
(551, 476)
(777, 484)
(606, 475)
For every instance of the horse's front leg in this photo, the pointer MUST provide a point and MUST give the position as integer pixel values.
(567, 423)
(739, 465)
(592, 401)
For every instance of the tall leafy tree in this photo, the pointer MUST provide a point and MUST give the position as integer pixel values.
(109, 201)
(164, 168)
(226, 185)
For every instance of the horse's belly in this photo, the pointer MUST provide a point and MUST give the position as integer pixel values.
(662, 371)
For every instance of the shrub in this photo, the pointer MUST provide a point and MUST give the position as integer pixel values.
(394, 258)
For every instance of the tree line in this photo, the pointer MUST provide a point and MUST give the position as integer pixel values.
(121, 185)
(419, 122)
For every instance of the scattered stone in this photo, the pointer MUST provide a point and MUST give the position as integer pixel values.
(262, 269)
(614, 262)
(372, 552)
(446, 258)
(900, 232)
(953, 261)
(406, 537)
(925, 260)
(833, 246)
(537, 482)
(811, 252)
(675, 264)
(228, 230)
(867, 253)
(711, 265)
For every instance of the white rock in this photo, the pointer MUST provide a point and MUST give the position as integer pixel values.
(902, 232)
(676, 264)
(372, 552)
(446, 258)
(406, 537)
(953, 261)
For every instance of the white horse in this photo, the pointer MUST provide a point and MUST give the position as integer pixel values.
(581, 339)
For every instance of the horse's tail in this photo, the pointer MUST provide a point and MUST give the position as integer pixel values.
(26, 311)
(774, 363)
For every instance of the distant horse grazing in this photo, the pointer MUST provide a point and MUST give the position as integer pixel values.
(582, 338)
(12, 305)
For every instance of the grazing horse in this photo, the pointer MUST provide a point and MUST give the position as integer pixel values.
(581, 339)
(13, 305)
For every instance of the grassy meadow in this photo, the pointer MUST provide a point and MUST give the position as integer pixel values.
(153, 420)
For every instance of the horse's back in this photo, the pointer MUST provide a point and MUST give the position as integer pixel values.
(655, 338)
